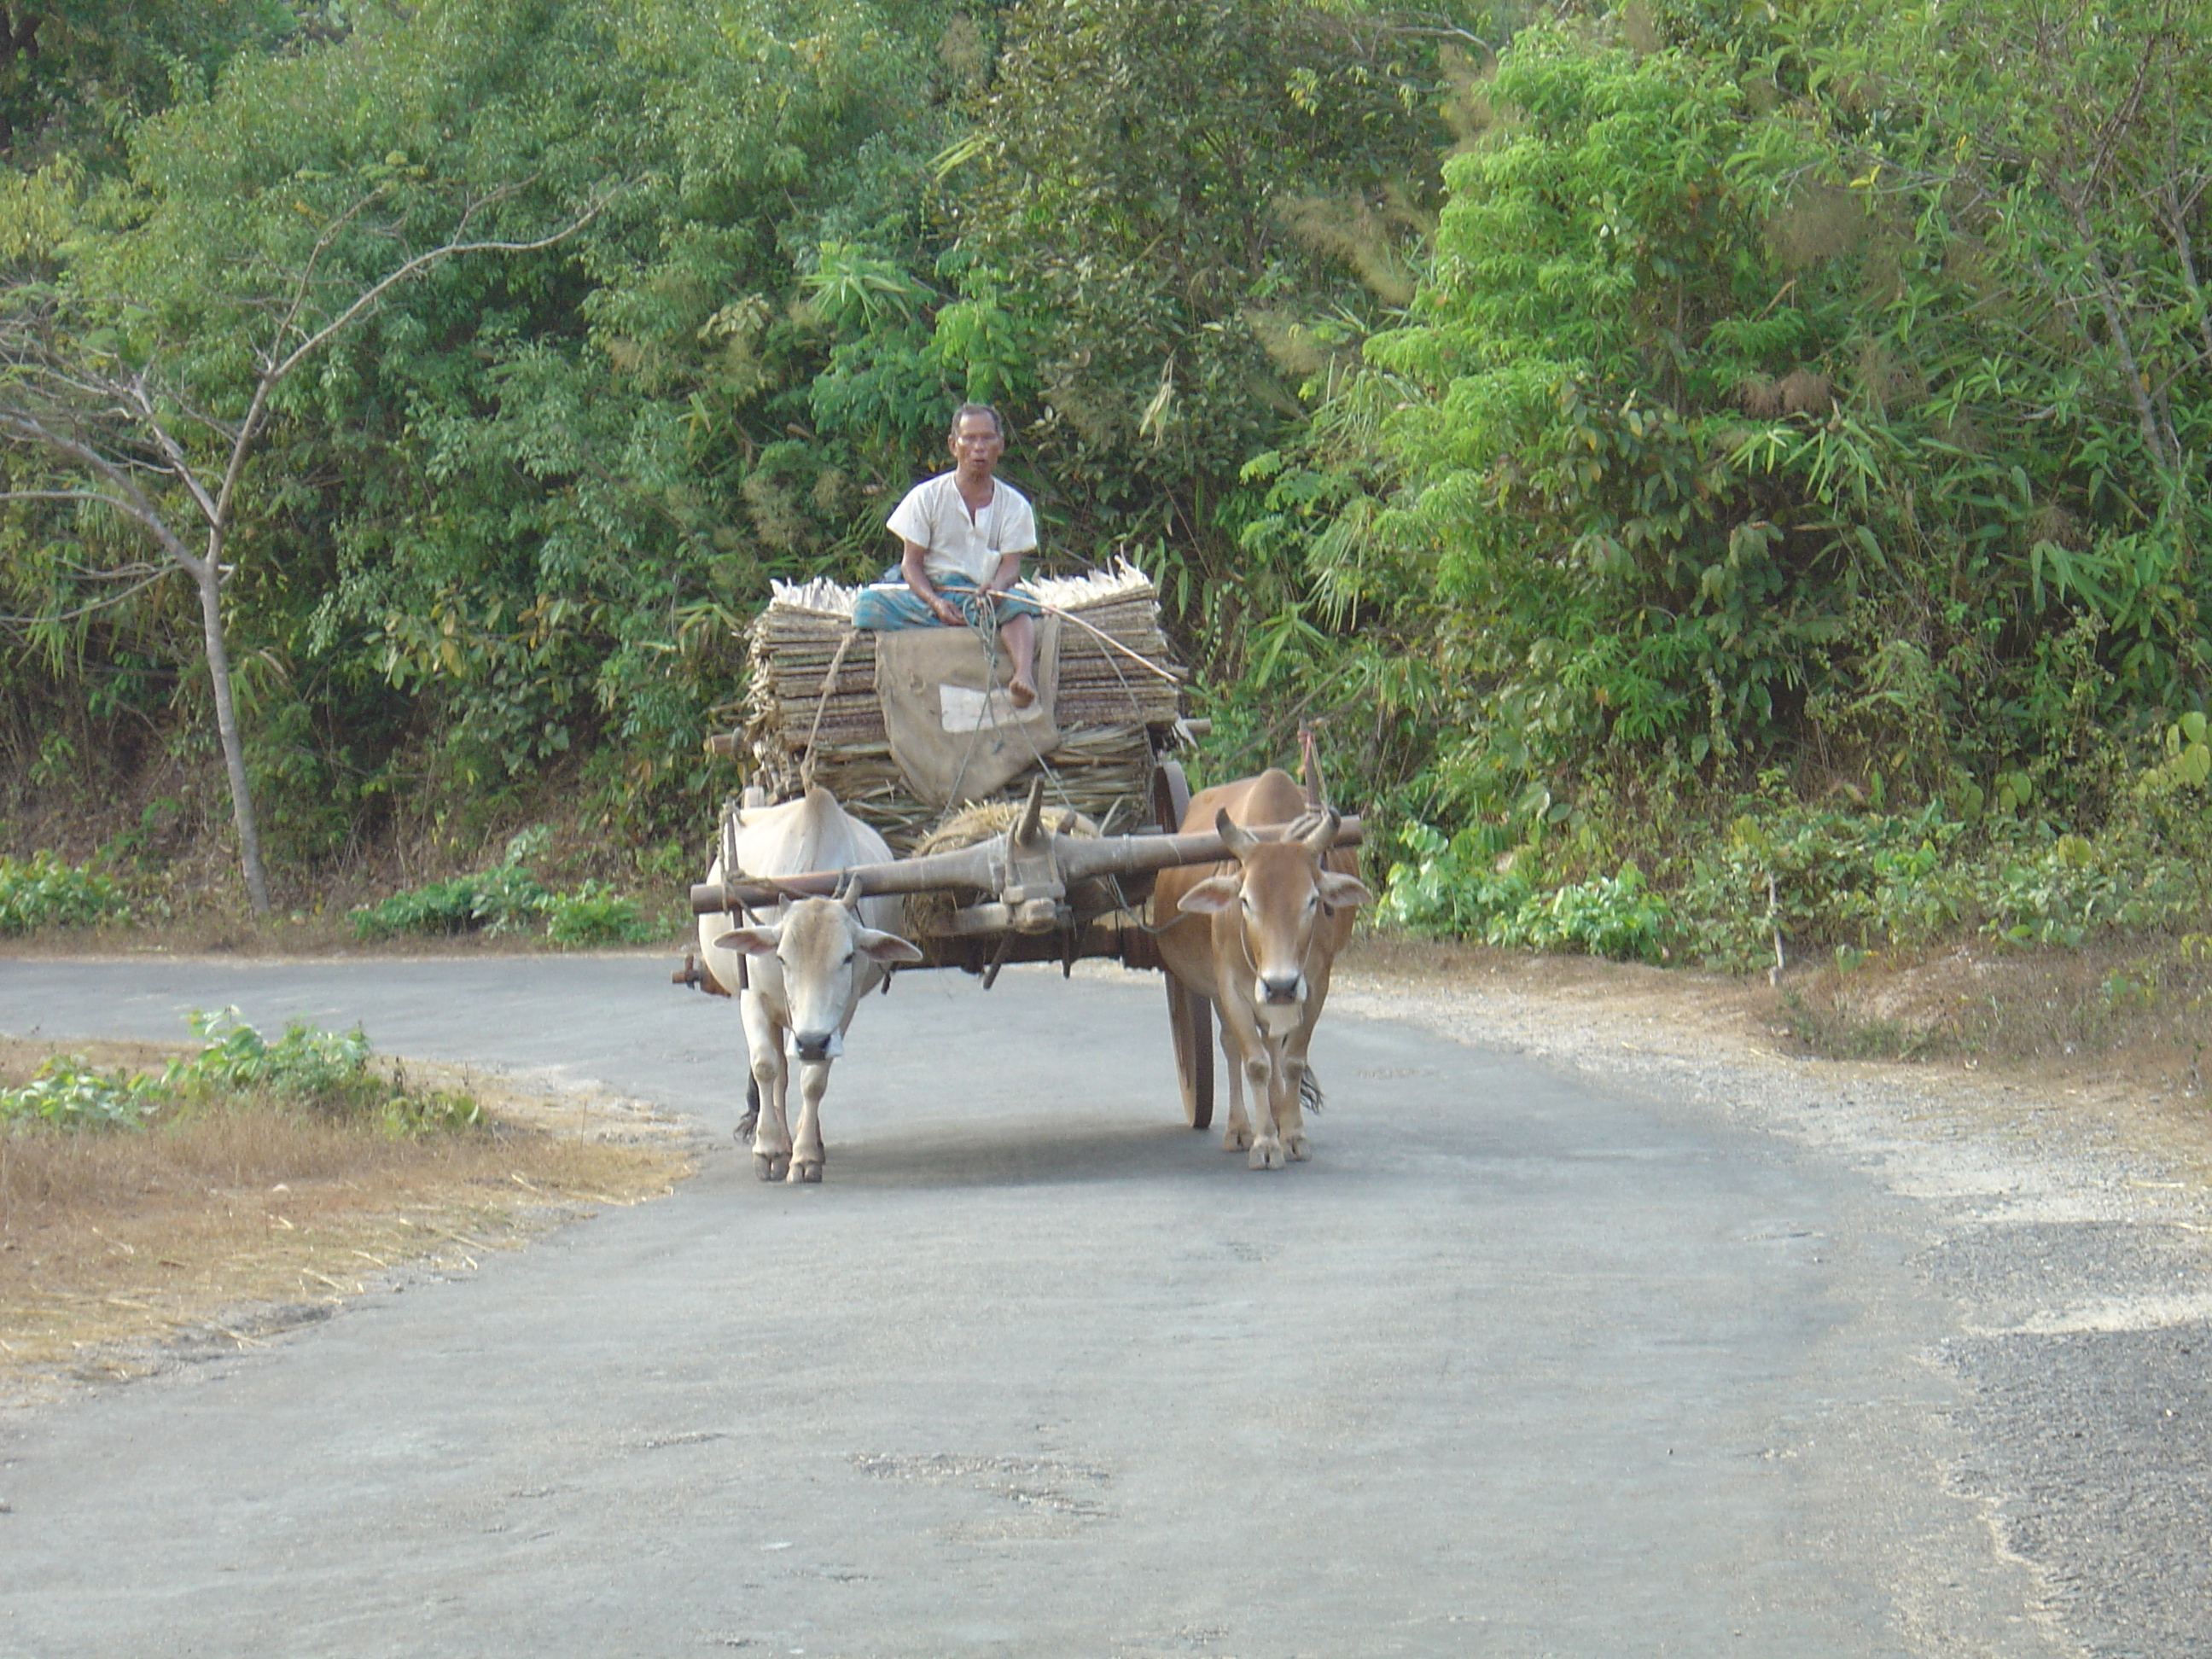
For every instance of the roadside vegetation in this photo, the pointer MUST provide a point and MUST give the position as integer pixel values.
(150, 1192)
(320, 1073)
(507, 898)
(1727, 484)
(42, 892)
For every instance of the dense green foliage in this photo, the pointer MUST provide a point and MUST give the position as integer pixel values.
(41, 891)
(1734, 425)
(1674, 454)
(73, 75)
(1822, 402)
(507, 898)
(324, 1072)
(1781, 874)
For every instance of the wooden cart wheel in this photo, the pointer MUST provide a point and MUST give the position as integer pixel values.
(1189, 1016)
(1170, 795)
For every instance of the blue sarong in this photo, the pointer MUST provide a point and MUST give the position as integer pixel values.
(889, 604)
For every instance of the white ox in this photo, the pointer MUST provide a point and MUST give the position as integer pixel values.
(804, 967)
(1259, 937)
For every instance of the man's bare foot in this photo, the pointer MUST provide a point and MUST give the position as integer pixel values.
(1022, 693)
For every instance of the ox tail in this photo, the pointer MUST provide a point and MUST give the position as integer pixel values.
(1309, 1092)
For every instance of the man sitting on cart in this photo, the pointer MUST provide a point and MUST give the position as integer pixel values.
(965, 532)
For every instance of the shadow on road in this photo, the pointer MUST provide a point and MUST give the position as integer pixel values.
(1003, 1153)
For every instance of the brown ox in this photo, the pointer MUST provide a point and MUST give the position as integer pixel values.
(1258, 937)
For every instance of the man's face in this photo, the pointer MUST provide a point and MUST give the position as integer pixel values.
(976, 443)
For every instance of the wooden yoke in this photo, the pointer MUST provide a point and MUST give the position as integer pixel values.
(1030, 870)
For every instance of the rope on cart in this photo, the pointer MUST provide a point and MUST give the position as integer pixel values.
(821, 705)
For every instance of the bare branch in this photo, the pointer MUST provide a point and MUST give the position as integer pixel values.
(179, 465)
(119, 573)
(105, 602)
(306, 279)
(119, 426)
(117, 503)
(26, 428)
(256, 410)
(402, 272)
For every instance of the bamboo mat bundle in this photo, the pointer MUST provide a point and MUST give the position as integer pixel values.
(813, 684)
(1111, 620)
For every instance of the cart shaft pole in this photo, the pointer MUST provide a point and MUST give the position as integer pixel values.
(980, 868)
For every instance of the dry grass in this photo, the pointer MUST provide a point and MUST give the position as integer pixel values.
(2143, 1010)
(2134, 1018)
(110, 1243)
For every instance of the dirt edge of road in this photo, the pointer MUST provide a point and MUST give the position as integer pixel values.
(153, 1261)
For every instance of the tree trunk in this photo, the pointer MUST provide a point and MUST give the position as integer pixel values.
(209, 581)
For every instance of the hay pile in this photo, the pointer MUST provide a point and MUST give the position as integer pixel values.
(1114, 692)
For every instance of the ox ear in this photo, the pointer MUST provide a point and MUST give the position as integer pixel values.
(1212, 896)
(885, 948)
(1339, 891)
(757, 941)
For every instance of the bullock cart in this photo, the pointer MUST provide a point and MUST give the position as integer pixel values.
(1022, 838)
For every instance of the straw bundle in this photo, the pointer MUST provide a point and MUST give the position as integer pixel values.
(813, 684)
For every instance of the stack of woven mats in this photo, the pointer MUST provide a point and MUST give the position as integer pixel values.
(1119, 691)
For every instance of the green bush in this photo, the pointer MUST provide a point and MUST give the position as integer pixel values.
(1819, 877)
(1613, 916)
(69, 1094)
(499, 900)
(323, 1072)
(594, 914)
(44, 892)
(507, 898)
(503, 899)
(1454, 889)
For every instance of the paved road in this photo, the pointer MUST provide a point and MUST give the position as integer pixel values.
(1513, 1367)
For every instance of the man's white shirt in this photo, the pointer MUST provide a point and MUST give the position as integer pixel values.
(933, 517)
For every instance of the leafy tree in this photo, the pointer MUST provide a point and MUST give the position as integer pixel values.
(143, 383)
(1174, 194)
(521, 500)
(579, 506)
(71, 74)
(1767, 399)
(126, 434)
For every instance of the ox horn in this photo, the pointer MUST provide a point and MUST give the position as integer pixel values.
(1026, 831)
(849, 892)
(1234, 836)
(1322, 836)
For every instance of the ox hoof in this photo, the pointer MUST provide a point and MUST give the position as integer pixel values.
(1267, 1155)
(804, 1171)
(1296, 1149)
(770, 1166)
(1235, 1139)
